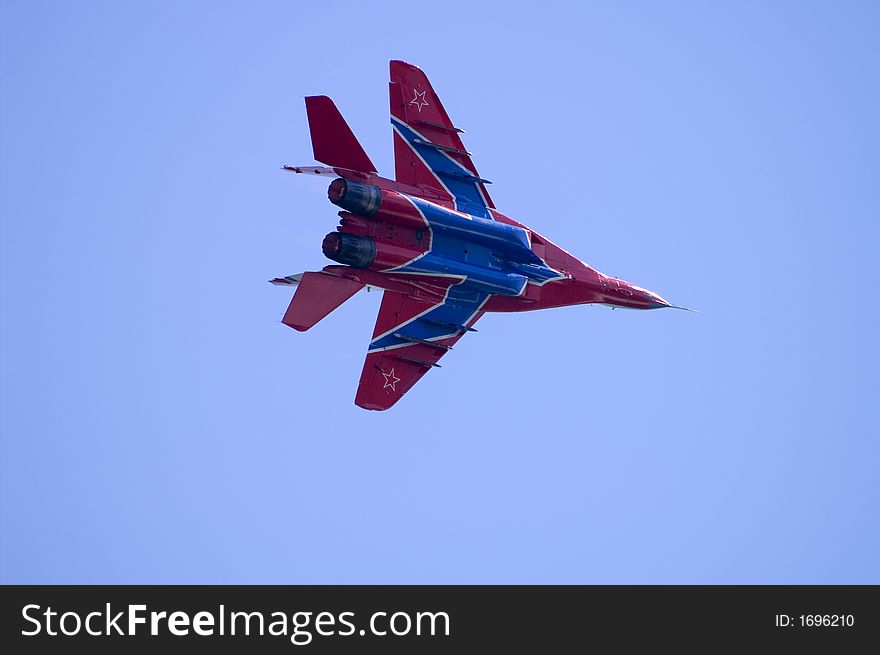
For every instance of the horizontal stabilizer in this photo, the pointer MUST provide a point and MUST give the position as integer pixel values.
(317, 295)
(311, 170)
(287, 280)
(333, 142)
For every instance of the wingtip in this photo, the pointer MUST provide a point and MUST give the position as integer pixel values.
(369, 407)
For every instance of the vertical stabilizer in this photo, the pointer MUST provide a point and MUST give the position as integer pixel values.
(333, 142)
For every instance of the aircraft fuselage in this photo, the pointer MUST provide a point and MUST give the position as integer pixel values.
(432, 239)
(386, 231)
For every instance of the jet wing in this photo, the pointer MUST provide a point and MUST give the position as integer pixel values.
(412, 333)
(428, 151)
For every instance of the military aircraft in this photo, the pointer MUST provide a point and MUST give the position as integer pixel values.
(432, 239)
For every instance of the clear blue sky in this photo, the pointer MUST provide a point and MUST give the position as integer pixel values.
(160, 425)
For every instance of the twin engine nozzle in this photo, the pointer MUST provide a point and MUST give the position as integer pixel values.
(506, 241)
(350, 249)
(361, 199)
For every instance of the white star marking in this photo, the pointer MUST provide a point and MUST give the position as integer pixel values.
(390, 380)
(419, 100)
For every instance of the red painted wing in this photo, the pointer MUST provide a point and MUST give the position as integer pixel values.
(415, 103)
(388, 374)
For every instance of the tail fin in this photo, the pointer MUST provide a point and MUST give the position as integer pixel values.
(333, 142)
(318, 295)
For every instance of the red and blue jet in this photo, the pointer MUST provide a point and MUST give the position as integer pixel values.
(432, 240)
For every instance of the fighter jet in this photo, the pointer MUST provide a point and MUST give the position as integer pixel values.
(432, 240)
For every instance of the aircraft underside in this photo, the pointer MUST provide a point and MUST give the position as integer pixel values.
(432, 240)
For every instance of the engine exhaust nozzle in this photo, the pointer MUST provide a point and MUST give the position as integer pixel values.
(358, 198)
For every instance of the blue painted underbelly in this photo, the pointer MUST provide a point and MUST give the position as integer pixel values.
(509, 241)
(487, 279)
(486, 255)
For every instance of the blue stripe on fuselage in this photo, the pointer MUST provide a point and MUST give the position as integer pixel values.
(540, 273)
(510, 241)
(491, 256)
(467, 193)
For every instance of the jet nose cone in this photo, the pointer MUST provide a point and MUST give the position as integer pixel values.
(658, 303)
(650, 300)
(653, 300)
